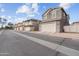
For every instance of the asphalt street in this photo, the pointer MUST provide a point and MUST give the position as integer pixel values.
(12, 44)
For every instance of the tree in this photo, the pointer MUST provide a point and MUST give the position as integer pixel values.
(10, 25)
(3, 22)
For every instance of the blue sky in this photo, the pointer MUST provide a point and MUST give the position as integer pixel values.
(18, 12)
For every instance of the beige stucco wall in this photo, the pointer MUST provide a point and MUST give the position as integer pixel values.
(71, 28)
(55, 14)
(77, 28)
(30, 23)
(66, 28)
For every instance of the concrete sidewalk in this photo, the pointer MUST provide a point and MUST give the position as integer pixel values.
(64, 35)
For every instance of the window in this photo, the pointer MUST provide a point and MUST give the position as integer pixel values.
(53, 14)
(45, 17)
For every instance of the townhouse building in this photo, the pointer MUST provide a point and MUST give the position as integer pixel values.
(54, 20)
(28, 25)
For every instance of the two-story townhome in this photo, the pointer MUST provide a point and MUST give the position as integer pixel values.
(31, 25)
(54, 20)
(19, 26)
(28, 25)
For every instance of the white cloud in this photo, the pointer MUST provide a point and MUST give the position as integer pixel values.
(65, 5)
(29, 9)
(35, 7)
(23, 9)
(1, 7)
(6, 17)
(17, 20)
(31, 15)
(9, 17)
(3, 16)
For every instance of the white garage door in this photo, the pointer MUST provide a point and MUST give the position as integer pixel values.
(48, 27)
(27, 28)
(21, 28)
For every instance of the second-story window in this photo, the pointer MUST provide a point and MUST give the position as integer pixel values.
(45, 17)
(53, 14)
